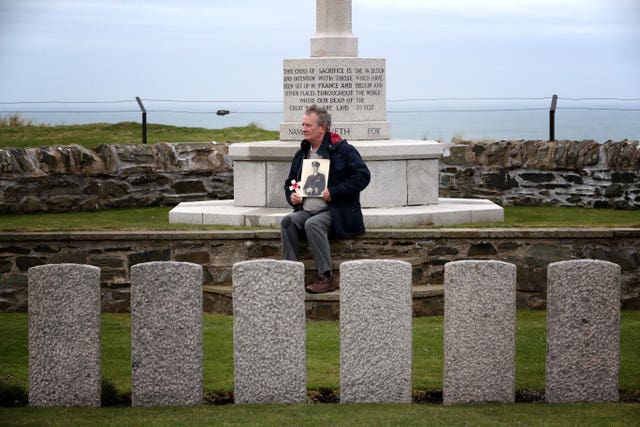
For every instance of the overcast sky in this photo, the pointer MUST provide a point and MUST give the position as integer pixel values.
(233, 50)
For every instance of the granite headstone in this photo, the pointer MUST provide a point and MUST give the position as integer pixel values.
(479, 332)
(64, 335)
(166, 334)
(375, 331)
(583, 331)
(269, 332)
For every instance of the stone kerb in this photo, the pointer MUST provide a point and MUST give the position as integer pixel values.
(166, 334)
(479, 332)
(583, 331)
(269, 332)
(375, 331)
(64, 335)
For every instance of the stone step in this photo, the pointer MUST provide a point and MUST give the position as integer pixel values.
(310, 264)
(311, 271)
(427, 301)
(418, 268)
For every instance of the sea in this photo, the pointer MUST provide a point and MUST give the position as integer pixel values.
(443, 120)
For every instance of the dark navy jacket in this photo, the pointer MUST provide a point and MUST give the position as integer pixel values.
(348, 176)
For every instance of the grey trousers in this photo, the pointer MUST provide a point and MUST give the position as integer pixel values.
(316, 228)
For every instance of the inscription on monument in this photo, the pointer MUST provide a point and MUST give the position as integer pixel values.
(350, 89)
(342, 88)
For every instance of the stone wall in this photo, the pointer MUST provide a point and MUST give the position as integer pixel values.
(559, 173)
(531, 250)
(67, 178)
(63, 178)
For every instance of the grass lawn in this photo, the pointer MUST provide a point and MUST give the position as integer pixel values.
(149, 219)
(523, 414)
(137, 219)
(561, 216)
(323, 373)
(92, 135)
(323, 352)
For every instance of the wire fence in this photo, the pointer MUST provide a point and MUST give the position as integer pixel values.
(7, 110)
(400, 106)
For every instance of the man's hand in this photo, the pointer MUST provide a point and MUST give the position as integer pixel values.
(296, 199)
(326, 196)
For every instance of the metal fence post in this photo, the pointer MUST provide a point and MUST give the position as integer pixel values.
(144, 120)
(552, 118)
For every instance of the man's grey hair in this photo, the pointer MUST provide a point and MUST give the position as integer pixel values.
(324, 118)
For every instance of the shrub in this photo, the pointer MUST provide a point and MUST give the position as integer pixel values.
(14, 120)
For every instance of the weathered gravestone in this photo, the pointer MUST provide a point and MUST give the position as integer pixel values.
(166, 334)
(375, 331)
(583, 331)
(64, 335)
(479, 332)
(269, 332)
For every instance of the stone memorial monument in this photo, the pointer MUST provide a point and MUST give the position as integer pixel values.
(375, 331)
(352, 89)
(166, 334)
(270, 360)
(404, 173)
(64, 335)
(479, 332)
(583, 331)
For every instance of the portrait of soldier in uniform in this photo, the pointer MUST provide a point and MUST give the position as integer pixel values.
(316, 181)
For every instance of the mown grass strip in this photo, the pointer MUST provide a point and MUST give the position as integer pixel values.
(323, 352)
(603, 414)
(323, 367)
(563, 216)
(157, 219)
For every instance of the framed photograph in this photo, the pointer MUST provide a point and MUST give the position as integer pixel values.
(315, 176)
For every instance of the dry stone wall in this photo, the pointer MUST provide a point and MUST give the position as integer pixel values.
(545, 173)
(68, 178)
(531, 250)
(64, 178)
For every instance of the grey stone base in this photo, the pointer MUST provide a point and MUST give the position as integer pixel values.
(403, 172)
(446, 212)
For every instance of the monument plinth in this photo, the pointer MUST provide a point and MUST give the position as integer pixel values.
(403, 191)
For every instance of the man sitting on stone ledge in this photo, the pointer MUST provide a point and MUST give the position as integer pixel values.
(337, 213)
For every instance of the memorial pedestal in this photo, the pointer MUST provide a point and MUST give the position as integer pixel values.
(403, 173)
(403, 191)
